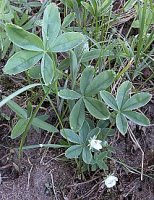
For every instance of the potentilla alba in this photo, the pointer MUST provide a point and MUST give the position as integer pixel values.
(95, 144)
(110, 181)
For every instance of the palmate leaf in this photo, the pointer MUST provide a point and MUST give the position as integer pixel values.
(21, 61)
(100, 82)
(137, 101)
(66, 42)
(77, 115)
(47, 69)
(96, 108)
(37, 121)
(51, 24)
(137, 118)
(69, 94)
(24, 39)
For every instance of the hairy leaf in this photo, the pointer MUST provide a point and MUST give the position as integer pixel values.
(73, 151)
(68, 94)
(51, 24)
(77, 115)
(23, 38)
(86, 78)
(109, 99)
(96, 108)
(137, 101)
(47, 69)
(121, 123)
(66, 42)
(100, 82)
(70, 135)
(123, 93)
(21, 61)
(137, 118)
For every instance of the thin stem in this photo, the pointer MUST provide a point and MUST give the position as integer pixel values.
(30, 122)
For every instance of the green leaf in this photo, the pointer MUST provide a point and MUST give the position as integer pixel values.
(24, 39)
(96, 108)
(55, 146)
(51, 24)
(74, 67)
(90, 55)
(68, 19)
(21, 61)
(137, 101)
(47, 69)
(129, 4)
(66, 42)
(121, 123)
(109, 100)
(74, 151)
(19, 128)
(86, 155)
(123, 93)
(35, 72)
(77, 115)
(100, 82)
(17, 109)
(44, 125)
(86, 78)
(138, 118)
(29, 109)
(68, 94)
(92, 133)
(100, 160)
(70, 135)
(83, 133)
(4, 101)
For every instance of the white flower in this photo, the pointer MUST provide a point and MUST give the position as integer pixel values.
(95, 144)
(110, 181)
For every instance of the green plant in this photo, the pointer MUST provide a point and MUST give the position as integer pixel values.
(24, 115)
(86, 146)
(78, 67)
(35, 49)
(124, 105)
(89, 87)
(17, 13)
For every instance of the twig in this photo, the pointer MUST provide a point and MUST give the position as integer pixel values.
(77, 184)
(136, 142)
(53, 186)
